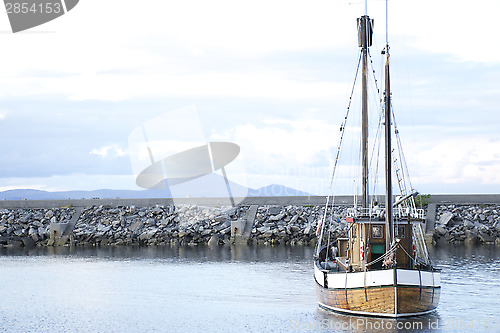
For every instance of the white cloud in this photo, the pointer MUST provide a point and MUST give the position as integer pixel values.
(465, 30)
(109, 151)
(115, 50)
(242, 29)
(466, 160)
(169, 51)
(299, 153)
(159, 51)
(291, 152)
(296, 141)
(206, 84)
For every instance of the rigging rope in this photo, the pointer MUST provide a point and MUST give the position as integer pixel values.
(341, 137)
(377, 141)
(404, 166)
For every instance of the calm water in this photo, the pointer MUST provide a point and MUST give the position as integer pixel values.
(251, 289)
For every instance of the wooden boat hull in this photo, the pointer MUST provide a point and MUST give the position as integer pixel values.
(375, 293)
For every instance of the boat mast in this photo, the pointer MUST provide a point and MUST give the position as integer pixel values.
(388, 149)
(365, 31)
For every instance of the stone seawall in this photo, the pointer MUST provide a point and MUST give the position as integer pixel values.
(192, 224)
(160, 225)
(469, 224)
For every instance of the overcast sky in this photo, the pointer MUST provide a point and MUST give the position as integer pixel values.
(271, 76)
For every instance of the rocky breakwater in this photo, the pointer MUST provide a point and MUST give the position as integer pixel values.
(293, 225)
(30, 227)
(469, 224)
(165, 225)
(160, 225)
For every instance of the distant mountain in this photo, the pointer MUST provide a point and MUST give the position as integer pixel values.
(275, 190)
(210, 186)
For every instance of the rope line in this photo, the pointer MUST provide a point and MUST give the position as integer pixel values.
(339, 146)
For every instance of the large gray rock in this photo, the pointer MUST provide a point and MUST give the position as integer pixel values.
(483, 228)
(267, 234)
(230, 212)
(439, 230)
(43, 231)
(263, 229)
(223, 226)
(33, 234)
(28, 242)
(136, 226)
(221, 218)
(157, 210)
(148, 234)
(468, 224)
(274, 210)
(307, 230)
(445, 218)
(471, 237)
(19, 232)
(277, 217)
(486, 238)
(214, 240)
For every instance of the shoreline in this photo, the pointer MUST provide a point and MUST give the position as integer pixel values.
(438, 199)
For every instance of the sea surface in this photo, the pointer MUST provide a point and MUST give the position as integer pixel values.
(221, 289)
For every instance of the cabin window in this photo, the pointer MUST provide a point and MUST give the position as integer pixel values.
(401, 231)
(377, 231)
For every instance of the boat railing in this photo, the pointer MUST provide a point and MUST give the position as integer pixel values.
(378, 212)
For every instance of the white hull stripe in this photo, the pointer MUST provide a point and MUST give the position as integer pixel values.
(379, 278)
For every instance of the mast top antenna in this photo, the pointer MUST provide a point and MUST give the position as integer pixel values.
(387, 23)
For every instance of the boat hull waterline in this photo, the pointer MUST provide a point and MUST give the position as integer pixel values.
(391, 292)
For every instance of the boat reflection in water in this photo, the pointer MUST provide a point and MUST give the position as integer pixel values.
(340, 322)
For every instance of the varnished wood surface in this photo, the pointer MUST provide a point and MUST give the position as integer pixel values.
(416, 299)
(380, 299)
(375, 300)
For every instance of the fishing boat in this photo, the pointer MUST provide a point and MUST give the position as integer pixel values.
(379, 264)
